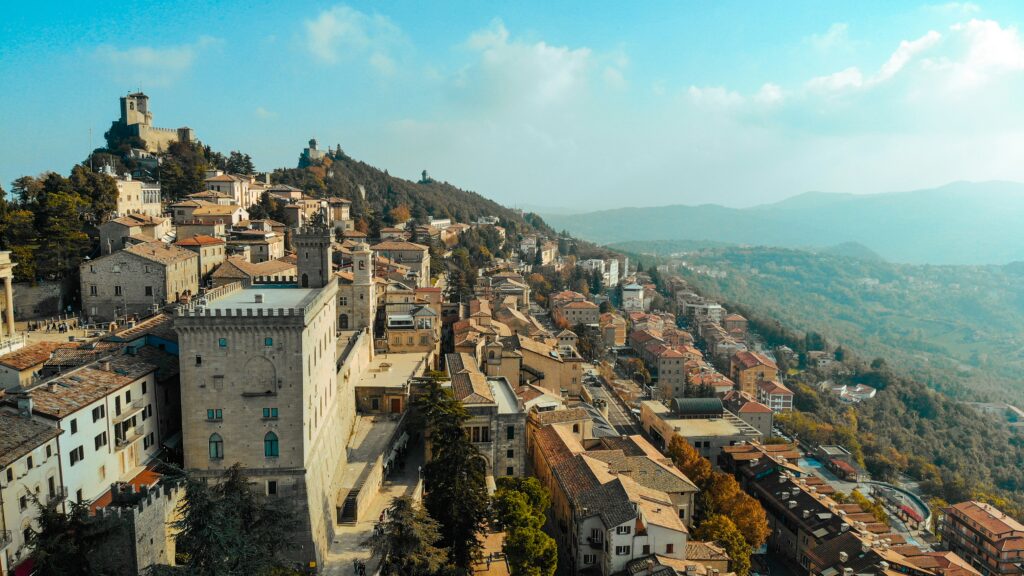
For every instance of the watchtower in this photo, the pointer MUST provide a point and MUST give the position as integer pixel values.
(313, 247)
(135, 109)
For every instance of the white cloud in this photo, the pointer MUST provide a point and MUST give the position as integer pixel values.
(262, 112)
(834, 37)
(769, 94)
(516, 72)
(954, 8)
(716, 96)
(991, 51)
(153, 65)
(853, 79)
(343, 33)
(906, 51)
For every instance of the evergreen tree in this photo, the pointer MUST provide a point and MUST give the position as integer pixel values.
(455, 476)
(406, 541)
(225, 530)
(77, 543)
(520, 506)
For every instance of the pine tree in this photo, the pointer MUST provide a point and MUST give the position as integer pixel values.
(455, 476)
(225, 529)
(406, 541)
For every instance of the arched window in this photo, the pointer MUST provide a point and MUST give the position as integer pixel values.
(305, 281)
(270, 447)
(216, 447)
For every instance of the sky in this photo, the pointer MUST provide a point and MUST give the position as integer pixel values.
(556, 105)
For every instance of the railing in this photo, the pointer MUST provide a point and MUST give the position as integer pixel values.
(595, 543)
(130, 435)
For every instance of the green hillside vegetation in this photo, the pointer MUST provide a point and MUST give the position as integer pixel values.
(340, 175)
(929, 328)
(958, 328)
(961, 223)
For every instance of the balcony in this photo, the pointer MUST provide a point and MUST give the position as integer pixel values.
(130, 410)
(128, 437)
(595, 543)
(60, 493)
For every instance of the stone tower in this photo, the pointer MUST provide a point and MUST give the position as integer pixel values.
(313, 247)
(364, 305)
(135, 109)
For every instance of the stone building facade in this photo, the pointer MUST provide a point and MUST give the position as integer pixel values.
(261, 389)
(136, 280)
(135, 115)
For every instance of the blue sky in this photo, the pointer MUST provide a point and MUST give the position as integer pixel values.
(579, 105)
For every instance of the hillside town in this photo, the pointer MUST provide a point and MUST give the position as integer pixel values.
(211, 340)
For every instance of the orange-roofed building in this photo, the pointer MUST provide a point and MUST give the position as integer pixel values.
(747, 368)
(992, 541)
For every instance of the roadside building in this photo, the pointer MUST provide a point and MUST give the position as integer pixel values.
(702, 422)
(747, 368)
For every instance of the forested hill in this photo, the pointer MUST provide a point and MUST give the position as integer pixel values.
(960, 223)
(956, 327)
(340, 175)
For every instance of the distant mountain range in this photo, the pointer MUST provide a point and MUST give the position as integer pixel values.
(960, 223)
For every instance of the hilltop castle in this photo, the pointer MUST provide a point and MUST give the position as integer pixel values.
(136, 116)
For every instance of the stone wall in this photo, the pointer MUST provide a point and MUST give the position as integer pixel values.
(45, 299)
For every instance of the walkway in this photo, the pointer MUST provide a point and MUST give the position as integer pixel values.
(348, 539)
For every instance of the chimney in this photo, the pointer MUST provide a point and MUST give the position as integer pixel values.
(259, 298)
(105, 366)
(843, 557)
(847, 571)
(52, 386)
(807, 513)
(792, 504)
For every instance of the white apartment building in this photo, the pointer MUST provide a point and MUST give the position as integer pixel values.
(29, 464)
(633, 298)
(107, 413)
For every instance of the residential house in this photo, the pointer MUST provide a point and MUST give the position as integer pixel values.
(747, 368)
(116, 233)
(497, 423)
(775, 395)
(415, 256)
(989, 539)
(29, 468)
(137, 280)
(211, 252)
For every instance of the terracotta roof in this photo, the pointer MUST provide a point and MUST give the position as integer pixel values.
(63, 395)
(30, 356)
(238, 267)
(216, 210)
(191, 203)
(20, 435)
(468, 384)
(209, 194)
(139, 220)
(734, 317)
(747, 359)
(581, 305)
(773, 387)
(705, 551)
(754, 407)
(398, 245)
(560, 416)
(223, 178)
(161, 253)
(990, 518)
(199, 240)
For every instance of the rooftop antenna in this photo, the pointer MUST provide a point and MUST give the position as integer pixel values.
(91, 149)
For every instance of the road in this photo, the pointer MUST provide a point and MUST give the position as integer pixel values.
(619, 415)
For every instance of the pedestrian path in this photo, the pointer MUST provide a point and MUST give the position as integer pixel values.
(347, 545)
